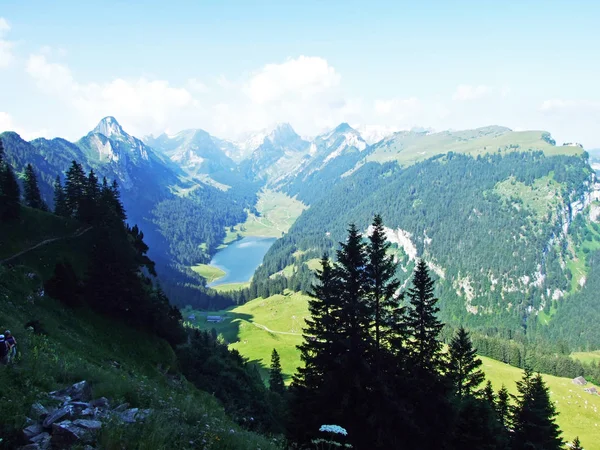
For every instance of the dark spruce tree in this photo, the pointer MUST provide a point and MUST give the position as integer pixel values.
(489, 395)
(381, 286)
(60, 199)
(275, 375)
(312, 400)
(503, 409)
(33, 198)
(422, 322)
(74, 188)
(464, 368)
(534, 416)
(10, 194)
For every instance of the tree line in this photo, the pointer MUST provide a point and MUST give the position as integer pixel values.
(375, 364)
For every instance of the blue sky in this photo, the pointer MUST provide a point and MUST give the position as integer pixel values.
(235, 66)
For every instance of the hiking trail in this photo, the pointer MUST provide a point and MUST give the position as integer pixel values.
(45, 242)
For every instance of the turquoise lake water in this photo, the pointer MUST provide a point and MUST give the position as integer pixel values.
(240, 259)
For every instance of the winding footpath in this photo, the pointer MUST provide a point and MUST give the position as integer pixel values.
(45, 242)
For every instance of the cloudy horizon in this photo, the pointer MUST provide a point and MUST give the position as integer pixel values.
(234, 70)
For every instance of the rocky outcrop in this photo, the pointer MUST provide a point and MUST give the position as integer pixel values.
(77, 419)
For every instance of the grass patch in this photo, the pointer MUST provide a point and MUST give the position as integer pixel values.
(210, 273)
(32, 227)
(579, 411)
(120, 362)
(410, 148)
(277, 213)
(244, 329)
(587, 357)
(228, 287)
(261, 325)
(541, 198)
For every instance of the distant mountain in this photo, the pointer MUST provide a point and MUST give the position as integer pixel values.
(199, 154)
(330, 156)
(280, 153)
(409, 147)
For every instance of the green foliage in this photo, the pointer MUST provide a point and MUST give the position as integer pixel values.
(210, 366)
(10, 194)
(275, 376)
(422, 324)
(533, 416)
(464, 368)
(33, 198)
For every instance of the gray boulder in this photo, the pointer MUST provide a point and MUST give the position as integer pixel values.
(59, 414)
(101, 402)
(81, 391)
(43, 440)
(66, 433)
(32, 430)
(90, 425)
(38, 411)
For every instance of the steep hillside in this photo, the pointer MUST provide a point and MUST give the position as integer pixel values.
(58, 346)
(497, 230)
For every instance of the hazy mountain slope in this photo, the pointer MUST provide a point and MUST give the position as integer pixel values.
(281, 153)
(331, 155)
(409, 147)
(497, 229)
(200, 155)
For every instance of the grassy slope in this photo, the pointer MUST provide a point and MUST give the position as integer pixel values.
(587, 357)
(31, 228)
(209, 272)
(285, 313)
(411, 148)
(278, 212)
(121, 363)
(579, 411)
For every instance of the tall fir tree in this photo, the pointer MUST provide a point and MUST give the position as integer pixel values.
(74, 188)
(534, 416)
(10, 194)
(464, 368)
(381, 286)
(275, 376)
(33, 197)
(319, 351)
(489, 395)
(88, 209)
(503, 407)
(60, 200)
(422, 322)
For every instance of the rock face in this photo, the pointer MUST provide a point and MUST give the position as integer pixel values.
(77, 421)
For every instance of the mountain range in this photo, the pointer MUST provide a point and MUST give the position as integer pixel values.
(441, 193)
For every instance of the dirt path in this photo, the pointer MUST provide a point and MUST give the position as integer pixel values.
(262, 327)
(44, 242)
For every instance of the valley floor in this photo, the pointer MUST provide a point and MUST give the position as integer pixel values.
(260, 325)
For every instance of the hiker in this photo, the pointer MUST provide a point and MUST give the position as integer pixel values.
(3, 349)
(11, 346)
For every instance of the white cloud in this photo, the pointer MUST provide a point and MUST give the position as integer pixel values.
(6, 47)
(300, 78)
(465, 92)
(561, 105)
(399, 107)
(144, 105)
(8, 124)
(196, 85)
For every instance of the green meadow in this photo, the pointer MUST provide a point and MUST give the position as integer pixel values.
(260, 325)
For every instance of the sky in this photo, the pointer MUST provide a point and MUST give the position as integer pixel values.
(230, 67)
